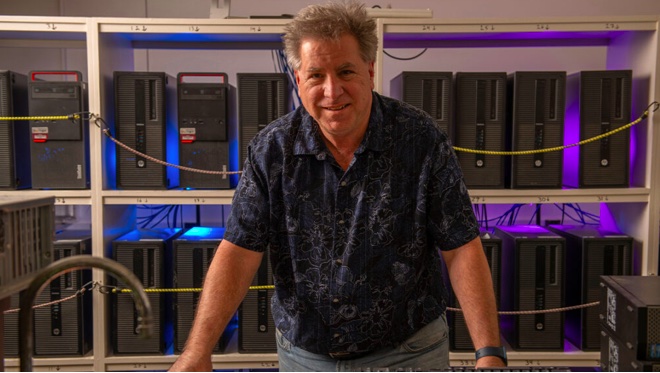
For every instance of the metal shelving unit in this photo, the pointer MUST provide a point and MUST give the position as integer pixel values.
(112, 44)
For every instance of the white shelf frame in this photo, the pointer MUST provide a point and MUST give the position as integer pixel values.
(110, 42)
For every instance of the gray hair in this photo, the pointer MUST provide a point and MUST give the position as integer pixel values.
(330, 22)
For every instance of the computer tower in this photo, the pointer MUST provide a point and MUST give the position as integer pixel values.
(630, 311)
(59, 148)
(145, 104)
(262, 98)
(459, 336)
(148, 254)
(532, 280)
(256, 328)
(10, 328)
(591, 252)
(14, 134)
(536, 121)
(604, 104)
(430, 91)
(203, 129)
(616, 356)
(481, 125)
(193, 253)
(65, 329)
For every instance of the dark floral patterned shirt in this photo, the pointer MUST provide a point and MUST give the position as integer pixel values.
(354, 253)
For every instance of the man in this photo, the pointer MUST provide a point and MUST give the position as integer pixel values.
(355, 195)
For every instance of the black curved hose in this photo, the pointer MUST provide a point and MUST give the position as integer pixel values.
(68, 264)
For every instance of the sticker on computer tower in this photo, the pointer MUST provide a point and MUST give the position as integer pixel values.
(614, 356)
(611, 309)
(39, 134)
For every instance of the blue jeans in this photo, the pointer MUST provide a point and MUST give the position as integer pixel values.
(426, 350)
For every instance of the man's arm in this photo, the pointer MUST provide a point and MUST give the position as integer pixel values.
(227, 281)
(471, 280)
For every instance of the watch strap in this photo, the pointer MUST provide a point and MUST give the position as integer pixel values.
(492, 351)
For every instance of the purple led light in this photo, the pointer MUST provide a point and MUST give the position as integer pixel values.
(525, 229)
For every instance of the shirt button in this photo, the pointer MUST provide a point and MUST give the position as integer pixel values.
(336, 300)
(341, 222)
(343, 183)
(339, 261)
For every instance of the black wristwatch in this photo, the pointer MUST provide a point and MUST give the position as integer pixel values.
(492, 351)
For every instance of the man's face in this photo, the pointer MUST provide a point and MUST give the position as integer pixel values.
(335, 85)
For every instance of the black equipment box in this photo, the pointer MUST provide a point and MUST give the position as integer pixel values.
(59, 148)
(256, 328)
(532, 280)
(145, 104)
(591, 252)
(459, 336)
(536, 121)
(148, 254)
(481, 125)
(15, 170)
(431, 91)
(630, 312)
(203, 109)
(193, 253)
(616, 356)
(262, 98)
(605, 104)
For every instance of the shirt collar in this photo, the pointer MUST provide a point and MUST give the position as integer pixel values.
(309, 141)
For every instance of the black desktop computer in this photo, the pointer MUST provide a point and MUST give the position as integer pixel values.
(203, 109)
(193, 253)
(262, 98)
(14, 134)
(145, 105)
(604, 105)
(148, 254)
(256, 328)
(591, 252)
(536, 121)
(459, 336)
(65, 329)
(431, 91)
(532, 280)
(480, 125)
(59, 148)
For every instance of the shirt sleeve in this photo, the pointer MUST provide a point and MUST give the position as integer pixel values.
(248, 222)
(451, 219)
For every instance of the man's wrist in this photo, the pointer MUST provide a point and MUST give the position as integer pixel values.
(492, 351)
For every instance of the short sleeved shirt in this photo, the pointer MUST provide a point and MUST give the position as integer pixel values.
(355, 253)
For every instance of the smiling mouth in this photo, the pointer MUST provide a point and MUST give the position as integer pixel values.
(335, 108)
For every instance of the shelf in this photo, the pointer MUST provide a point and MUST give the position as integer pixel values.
(269, 361)
(506, 196)
(535, 359)
(478, 196)
(220, 361)
(62, 197)
(67, 364)
(158, 197)
(539, 28)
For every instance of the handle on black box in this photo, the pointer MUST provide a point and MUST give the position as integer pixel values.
(180, 76)
(77, 74)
